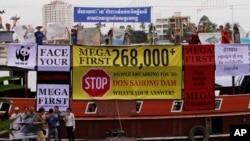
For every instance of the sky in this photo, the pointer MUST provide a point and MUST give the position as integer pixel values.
(30, 11)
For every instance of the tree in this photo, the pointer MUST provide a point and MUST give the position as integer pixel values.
(5, 124)
(122, 27)
(129, 27)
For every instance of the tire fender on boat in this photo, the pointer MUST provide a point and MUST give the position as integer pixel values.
(198, 128)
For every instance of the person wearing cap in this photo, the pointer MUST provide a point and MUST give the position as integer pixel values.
(16, 124)
(39, 35)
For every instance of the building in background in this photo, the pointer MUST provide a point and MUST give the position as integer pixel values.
(178, 21)
(161, 26)
(58, 11)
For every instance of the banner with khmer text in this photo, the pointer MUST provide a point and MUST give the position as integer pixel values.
(145, 72)
(199, 71)
(232, 59)
(112, 14)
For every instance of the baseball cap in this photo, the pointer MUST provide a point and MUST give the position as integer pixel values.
(16, 108)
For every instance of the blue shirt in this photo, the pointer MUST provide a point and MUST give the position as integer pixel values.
(74, 39)
(39, 37)
(52, 120)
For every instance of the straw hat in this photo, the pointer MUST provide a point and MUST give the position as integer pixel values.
(39, 27)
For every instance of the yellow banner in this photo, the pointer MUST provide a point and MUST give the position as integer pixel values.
(144, 72)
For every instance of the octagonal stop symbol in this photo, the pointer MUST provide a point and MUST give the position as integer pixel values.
(96, 82)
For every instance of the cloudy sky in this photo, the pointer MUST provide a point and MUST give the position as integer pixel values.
(30, 11)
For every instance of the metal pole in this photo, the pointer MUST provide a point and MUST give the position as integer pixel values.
(232, 24)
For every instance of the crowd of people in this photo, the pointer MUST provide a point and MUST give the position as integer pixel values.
(40, 33)
(29, 121)
(176, 36)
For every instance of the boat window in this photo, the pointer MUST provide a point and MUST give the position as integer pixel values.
(91, 108)
(226, 81)
(138, 106)
(217, 104)
(177, 106)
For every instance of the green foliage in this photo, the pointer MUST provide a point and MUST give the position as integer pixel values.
(5, 125)
(9, 86)
(138, 37)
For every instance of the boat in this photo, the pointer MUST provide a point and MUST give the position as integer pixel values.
(156, 119)
(153, 119)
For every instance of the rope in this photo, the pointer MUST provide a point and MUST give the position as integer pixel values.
(118, 113)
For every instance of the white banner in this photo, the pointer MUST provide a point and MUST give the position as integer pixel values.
(53, 58)
(56, 31)
(210, 38)
(29, 128)
(22, 55)
(118, 36)
(232, 59)
(25, 34)
(88, 36)
(50, 95)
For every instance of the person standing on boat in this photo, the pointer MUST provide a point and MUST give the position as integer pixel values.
(52, 120)
(16, 124)
(39, 122)
(236, 35)
(126, 39)
(39, 35)
(225, 37)
(110, 36)
(58, 124)
(178, 37)
(70, 124)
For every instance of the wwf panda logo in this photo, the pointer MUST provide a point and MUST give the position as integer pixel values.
(23, 53)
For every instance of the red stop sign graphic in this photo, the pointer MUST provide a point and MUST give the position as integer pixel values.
(96, 82)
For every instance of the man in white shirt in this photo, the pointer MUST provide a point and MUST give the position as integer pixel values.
(16, 124)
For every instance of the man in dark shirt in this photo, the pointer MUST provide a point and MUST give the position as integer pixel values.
(39, 35)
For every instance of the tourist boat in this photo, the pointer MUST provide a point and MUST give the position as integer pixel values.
(153, 119)
(157, 119)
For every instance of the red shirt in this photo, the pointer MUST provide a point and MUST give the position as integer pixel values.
(194, 39)
(225, 37)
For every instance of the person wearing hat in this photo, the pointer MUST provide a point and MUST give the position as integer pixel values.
(16, 124)
(39, 35)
